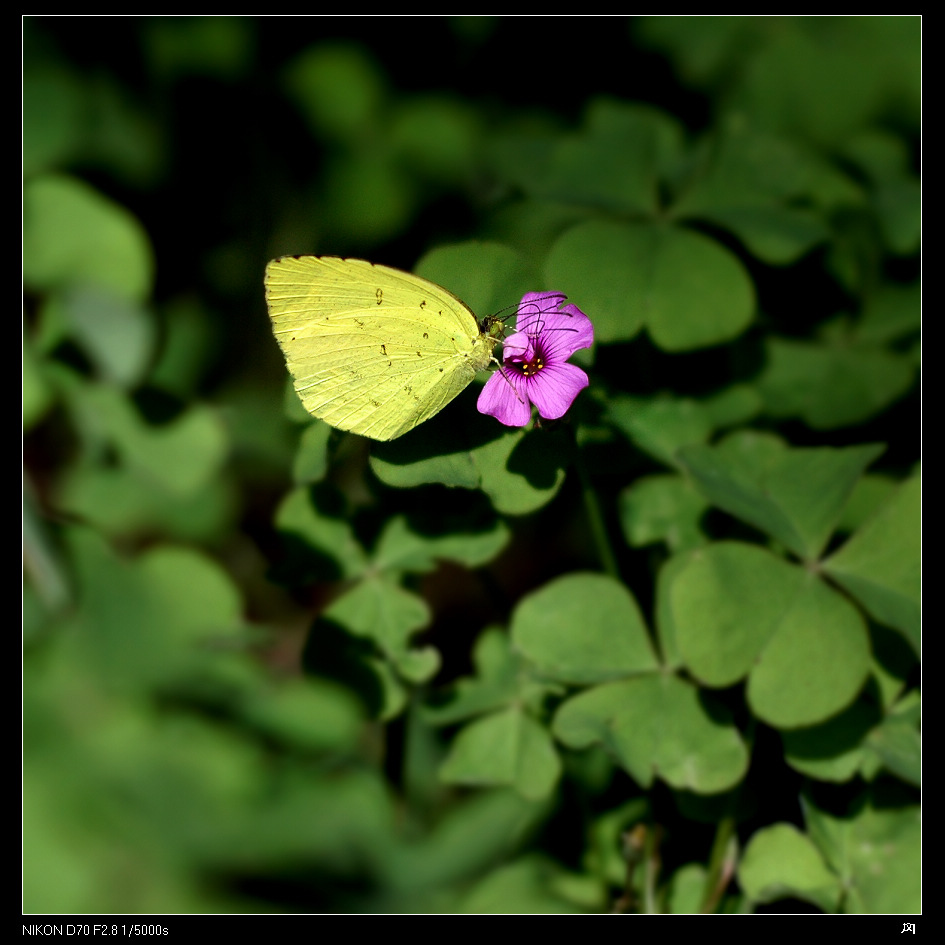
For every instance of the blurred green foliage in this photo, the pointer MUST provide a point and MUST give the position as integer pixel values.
(662, 656)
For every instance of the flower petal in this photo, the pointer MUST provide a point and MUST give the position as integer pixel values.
(504, 398)
(564, 332)
(537, 303)
(533, 309)
(553, 389)
(518, 347)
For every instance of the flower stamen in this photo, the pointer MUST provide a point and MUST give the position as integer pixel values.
(530, 368)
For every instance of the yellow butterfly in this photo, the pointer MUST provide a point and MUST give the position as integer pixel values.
(372, 349)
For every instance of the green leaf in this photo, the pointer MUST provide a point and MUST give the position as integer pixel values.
(613, 162)
(181, 456)
(657, 725)
(197, 596)
(739, 610)
(795, 495)
(311, 459)
(733, 405)
(478, 832)
(834, 750)
(339, 89)
(489, 277)
(688, 290)
(37, 391)
(534, 885)
(665, 623)
(387, 614)
(188, 343)
(661, 425)
(725, 602)
(898, 745)
(878, 154)
(438, 451)
(53, 112)
(582, 628)
(153, 793)
(891, 313)
(377, 608)
(438, 136)
(898, 204)
(869, 493)
(776, 235)
(832, 384)
(123, 501)
(821, 628)
(306, 516)
(150, 620)
(880, 565)
(662, 509)
(217, 47)
(178, 457)
(739, 167)
(686, 890)
(896, 194)
(496, 682)
(402, 547)
(365, 196)
(116, 333)
(742, 180)
(700, 48)
(73, 236)
(343, 821)
(824, 79)
(307, 714)
(780, 862)
(875, 851)
(508, 748)
(520, 471)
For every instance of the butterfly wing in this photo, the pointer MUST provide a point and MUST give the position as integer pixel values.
(371, 349)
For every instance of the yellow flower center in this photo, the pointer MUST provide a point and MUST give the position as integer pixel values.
(534, 366)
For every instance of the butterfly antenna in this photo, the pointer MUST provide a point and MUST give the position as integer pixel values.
(537, 327)
(504, 314)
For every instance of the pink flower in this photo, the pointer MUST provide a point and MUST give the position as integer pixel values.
(535, 367)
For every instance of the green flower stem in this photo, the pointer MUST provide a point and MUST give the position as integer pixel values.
(595, 517)
(721, 864)
(652, 865)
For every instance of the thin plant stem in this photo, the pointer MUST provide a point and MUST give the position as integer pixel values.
(652, 866)
(721, 864)
(595, 517)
